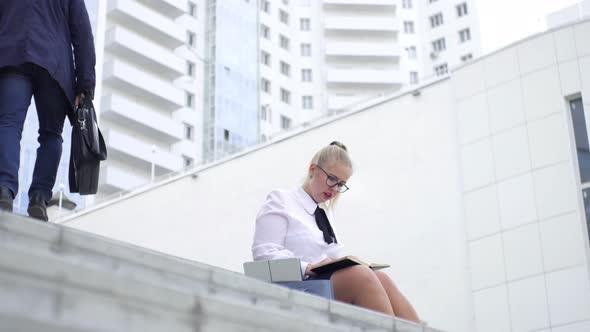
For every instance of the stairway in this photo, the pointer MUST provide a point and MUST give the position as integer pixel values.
(54, 278)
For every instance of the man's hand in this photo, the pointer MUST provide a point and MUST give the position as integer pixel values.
(78, 99)
(312, 266)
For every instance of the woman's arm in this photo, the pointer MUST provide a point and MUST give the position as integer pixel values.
(271, 229)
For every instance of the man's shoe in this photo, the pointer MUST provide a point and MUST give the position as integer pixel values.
(37, 207)
(6, 199)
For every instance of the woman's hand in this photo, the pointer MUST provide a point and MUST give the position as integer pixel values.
(308, 271)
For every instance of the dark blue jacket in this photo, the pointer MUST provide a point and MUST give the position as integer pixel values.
(43, 32)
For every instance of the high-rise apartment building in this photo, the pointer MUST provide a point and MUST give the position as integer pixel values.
(448, 34)
(150, 102)
(319, 57)
(362, 50)
(231, 100)
(180, 82)
(291, 81)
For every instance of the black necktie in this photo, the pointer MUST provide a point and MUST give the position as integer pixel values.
(324, 225)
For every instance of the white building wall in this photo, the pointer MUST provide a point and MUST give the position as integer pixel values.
(524, 215)
(469, 187)
(403, 207)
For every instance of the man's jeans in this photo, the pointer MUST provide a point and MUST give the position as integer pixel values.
(17, 86)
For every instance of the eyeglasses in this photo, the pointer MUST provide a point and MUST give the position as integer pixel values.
(332, 181)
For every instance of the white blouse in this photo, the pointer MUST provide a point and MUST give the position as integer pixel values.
(286, 227)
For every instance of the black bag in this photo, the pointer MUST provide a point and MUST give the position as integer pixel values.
(88, 150)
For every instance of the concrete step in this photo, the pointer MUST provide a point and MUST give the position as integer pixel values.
(54, 278)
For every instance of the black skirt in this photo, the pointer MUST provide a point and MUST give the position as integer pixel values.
(321, 276)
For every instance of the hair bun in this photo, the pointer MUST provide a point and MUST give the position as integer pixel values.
(340, 145)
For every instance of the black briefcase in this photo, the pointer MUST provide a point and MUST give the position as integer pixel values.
(88, 150)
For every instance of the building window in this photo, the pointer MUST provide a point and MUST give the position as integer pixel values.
(192, 9)
(431, 1)
(462, 9)
(307, 102)
(265, 31)
(439, 45)
(188, 161)
(265, 6)
(305, 49)
(305, 24)
(583, 151)
(466, 57)
(265, 85)
(306, 75)
(265, 58)
(581, 139)
(263, 115)
(285, 122)
(441, 70)
(285, 68)
(190, 99)
(464, 35)
(285, 96)
(226, 135)
(284, 16)
(408, 27)
(284, 42)
(188, 132)
(191, 38)
(407, 4)
(413, 77)
(411, 52)
(266, 113)
(190, 68)
(436, 20)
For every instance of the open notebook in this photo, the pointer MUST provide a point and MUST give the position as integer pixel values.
(345, 262)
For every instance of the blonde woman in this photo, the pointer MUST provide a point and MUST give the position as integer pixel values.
(292, 223)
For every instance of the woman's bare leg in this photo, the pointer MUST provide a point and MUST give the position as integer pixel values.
(401, 306)
(359, 285)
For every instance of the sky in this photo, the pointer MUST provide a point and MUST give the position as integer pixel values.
(503, 22)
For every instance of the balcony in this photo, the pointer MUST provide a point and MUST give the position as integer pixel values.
(149, 22)
(130, 114)
(364, 76)
(143, 85)
(171, 8)
(361, 24)
(137, 153)
(187, 148)
(381, 50)
(338, 102)
(131, 46)
(114, 178)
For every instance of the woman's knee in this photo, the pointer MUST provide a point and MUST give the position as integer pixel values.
(358, 273)
(383, 276)
(385, 280)
(354, 282)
